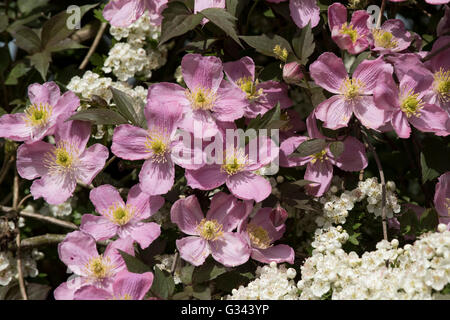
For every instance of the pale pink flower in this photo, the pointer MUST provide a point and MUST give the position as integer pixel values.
(239, 171)
(436, 2)
(348, 36)
(319, 166)
(48, 107)
(303, 12)
(261, 231)
(200, 5)
(391, 37)
(442, 199)
(211, 234)
(261, 97)
(79, 252)
(207, 98)
(126, 286)
(353, 95)
(122, 219)
(122, 13)
(60, 166)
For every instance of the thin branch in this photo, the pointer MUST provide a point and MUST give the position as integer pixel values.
(383, 6)
(174, 263)
(5, 168)
(94, 45)
(23, 290)
(37, 216)
(42, 240)
(434, 53)
(23, 200)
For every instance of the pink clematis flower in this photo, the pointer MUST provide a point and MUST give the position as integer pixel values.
(126, 286)
(60, 166)
(406, 104)
(266, 227)
(48, 107)
(122, 13)
(353, 95)
(159, 146)
(442, 199)
(213, 234)
(303, 12)
(436, 2)
(348, 36)
(207, 99)
(79, 252)
(391, 37)
(444, 24)
(319, 166)
(239, 171)
(261, 97)
(122, 219)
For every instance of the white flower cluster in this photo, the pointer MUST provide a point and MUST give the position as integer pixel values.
(135, 57)
(8, 266)
(272, 283)
(61, 210)
(166, 262)
(417, 271)
(335, 208)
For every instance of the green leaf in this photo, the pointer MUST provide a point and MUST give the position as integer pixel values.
(18, 71)
(310, 147)
(233, 279)
(27, 39)
(266, 45)
(202, 292)
(20, 22)
(163, 285)
(362, 56)
(207, 271)
(177, 21)
(26, 6)
(266, 120)
(66, 44)
(35, 291)
(186, 274)
(337, 148)
(3, 22)
(99, 116)
(224, 20)
(428, 221)
(428, 173)
(41, 61)
(304, 45)
(409, 224)
(134, 264)
(302, 183)
(353, 239)
(125, 104)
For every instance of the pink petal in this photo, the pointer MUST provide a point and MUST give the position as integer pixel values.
(187, 214)
(92, 293)
(111, 252)
(354, 157)
(122, 13)
(230, 102)
(386, 93)
(66, 290)
(273, 93)
(320, 172)
(163, 116)
(368, 73)
(55, 189)
(157, 177)
(65, 106)
(77, 133)
(199, 5)
(313, 130)
(431, 119)
(279, 254)
(104, 196)
(230, 250)
(75, 251)
(442, 196)
(146, 233)
(193, 249)
(202, 72)
(168, 93)
(14, 127)
(206, 178)
(261, 152)
(92, 162)
(337, 15)
(328, 71)
(242, 68)
(99, 227)
(288, 147)
(369, 114)
(226, 210)
(135, 285)
(30, 159)
(144, 204)
(48, 93)
(304, 11)
(400, 124)
(249, 186)
(129, 142)
(335, 112)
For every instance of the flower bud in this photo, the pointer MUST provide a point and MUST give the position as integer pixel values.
(292, 73)
(278, 216)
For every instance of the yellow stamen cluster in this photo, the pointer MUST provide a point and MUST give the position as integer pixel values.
(442, 85)
(201, 99)
(320, 156)
(235, 162)
(281, 53)
(99, 267)
(157, 143)
(258, 236)
(249, 87)
(38, 115)
(119, 214)
(210, 230)
(62, 159)
(384, 39)
(351, 88)
(349, 30)
(411, 104)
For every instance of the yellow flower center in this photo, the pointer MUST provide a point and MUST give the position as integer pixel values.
(249, 87)
(258, 236)
(281, 53)
(62, 159)
(442, 85)
(410, 104)
(351, 88)
(320, 156)
(201, 99)
(210, 230)
(120, 215)
(99, 267)
(235, 163)
(38, 115)
(350, 31)
(384, 39)
(158, 144)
